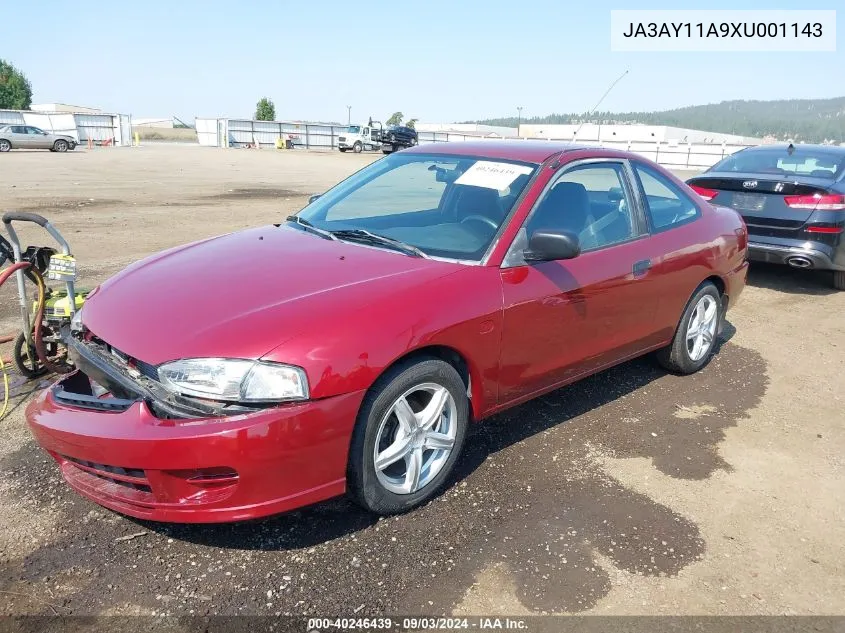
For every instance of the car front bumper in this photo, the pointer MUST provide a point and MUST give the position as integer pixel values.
(197, 470)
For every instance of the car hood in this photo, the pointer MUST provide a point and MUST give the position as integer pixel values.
(243, 294)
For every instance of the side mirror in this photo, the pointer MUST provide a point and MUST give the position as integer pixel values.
(314, 197)
(545, 246)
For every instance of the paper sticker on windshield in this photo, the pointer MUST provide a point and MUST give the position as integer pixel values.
(492, 175)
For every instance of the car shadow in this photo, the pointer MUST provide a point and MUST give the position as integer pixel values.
(340, 517)
(790, 280)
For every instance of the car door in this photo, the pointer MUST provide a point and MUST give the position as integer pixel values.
(19, 136)
(38, 139)
(564, 319)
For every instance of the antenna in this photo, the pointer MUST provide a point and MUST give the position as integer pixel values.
(595, 107)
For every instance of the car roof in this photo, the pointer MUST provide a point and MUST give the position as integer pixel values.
(530, 151)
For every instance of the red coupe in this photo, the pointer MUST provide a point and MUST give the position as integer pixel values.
(347, 348)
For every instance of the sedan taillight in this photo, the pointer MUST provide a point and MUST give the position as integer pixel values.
(704, 192)
(817, 202)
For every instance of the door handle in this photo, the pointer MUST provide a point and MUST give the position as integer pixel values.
(641, 267)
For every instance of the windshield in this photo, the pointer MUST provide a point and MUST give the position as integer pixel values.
(446, 206)
(811, 162)
(354, 129)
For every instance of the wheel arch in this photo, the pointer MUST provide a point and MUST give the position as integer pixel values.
(717, 281)
(468, 373)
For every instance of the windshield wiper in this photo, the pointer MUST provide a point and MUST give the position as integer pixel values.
(361, 235)
(327, 235)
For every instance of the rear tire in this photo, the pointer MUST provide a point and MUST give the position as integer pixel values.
(839, 279)
(343, 149)
(60, 146)
(418, 412)
(695, 337)
(5, 145)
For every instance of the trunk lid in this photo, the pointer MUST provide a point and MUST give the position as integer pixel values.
(760, 199)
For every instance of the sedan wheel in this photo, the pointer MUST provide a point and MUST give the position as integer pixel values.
(415, 438)
(60, 146)
(701, 331)
(5, 145)
(695, 338)
(408, 437)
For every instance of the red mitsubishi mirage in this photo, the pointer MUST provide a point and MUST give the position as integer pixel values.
(346, 349)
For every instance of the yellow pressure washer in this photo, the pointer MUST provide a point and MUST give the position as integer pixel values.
(55, 307)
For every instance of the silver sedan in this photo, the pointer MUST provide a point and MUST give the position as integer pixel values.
(30, 137)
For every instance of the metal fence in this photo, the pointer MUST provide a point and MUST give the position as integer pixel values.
(99, 128)
(323, 136)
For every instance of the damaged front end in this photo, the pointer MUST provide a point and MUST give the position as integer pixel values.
(110, 381)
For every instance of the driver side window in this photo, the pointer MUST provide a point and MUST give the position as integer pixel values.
(590, 201)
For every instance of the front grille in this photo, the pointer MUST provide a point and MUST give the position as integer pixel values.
(342, 139)
(132, 478)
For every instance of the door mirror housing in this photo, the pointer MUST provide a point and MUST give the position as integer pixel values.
(314, 197)
(547, 245)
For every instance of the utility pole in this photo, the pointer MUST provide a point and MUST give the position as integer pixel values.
(519, 119)
(348, 115)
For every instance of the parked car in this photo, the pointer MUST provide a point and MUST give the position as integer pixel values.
(398, 137)
(30, 137)
(349, 347)
(792, 198)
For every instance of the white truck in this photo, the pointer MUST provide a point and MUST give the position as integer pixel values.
(361, 137)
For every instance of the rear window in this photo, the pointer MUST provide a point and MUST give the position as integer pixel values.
(802, 162)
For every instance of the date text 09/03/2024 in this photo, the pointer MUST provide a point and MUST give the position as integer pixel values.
(723, 29)
(418, 623)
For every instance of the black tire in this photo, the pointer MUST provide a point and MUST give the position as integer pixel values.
(839, 279)
(27, 361)
(676, 357)
(357, 147)
(343, 149)
(60, 146)
(362, 482)
(5, 145)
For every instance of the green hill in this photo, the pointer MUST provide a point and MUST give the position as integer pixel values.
(809, 120)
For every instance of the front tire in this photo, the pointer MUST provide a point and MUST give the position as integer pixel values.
(695, 338)
(408, 436)
(839, 279)
(357, 148)
(60, 146)
(343, 149)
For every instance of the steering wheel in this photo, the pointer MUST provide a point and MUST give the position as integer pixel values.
(6, 251)
(483, 219)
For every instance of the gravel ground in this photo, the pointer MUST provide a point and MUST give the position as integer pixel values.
(630, 492)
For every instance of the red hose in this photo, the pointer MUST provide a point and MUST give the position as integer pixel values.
(39, 343)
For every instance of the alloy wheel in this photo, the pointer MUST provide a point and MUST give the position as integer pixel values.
(415, 438)
(701, 331)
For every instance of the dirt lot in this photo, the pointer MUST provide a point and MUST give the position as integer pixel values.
(631, 492)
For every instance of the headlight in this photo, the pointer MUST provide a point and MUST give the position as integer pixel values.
(234, 380)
